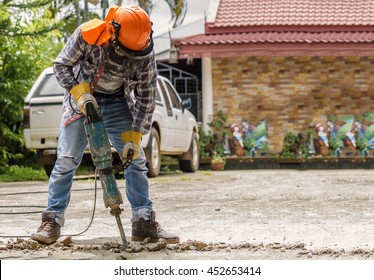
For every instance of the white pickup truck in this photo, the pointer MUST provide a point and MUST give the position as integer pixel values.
(174, 129)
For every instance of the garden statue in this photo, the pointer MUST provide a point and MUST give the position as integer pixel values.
(227, 151)
(237, 140)
(365, 133)
(322, 134)
(322, 142)
(311, 145)
(237, 135)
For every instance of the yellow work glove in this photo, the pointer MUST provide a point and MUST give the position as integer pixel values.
(82, 96)
(132, 140)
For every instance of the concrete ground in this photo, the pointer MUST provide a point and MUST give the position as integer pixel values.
(249, 214)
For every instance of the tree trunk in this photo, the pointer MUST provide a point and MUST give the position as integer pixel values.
(85, 14)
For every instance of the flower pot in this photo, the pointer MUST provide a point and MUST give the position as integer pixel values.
(239, 151)
(217, 166)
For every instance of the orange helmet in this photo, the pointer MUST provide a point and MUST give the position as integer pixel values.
(132, 29)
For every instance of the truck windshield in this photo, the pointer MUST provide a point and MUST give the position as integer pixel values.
(50, 86)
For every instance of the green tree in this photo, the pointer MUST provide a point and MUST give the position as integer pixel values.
(28, 44)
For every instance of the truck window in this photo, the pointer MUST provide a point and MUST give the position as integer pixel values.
(166, 98)
(158, 97)
(49, 86)
(173, 96)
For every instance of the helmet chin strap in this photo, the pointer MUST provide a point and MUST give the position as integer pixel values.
(117, 26)
(135, 54)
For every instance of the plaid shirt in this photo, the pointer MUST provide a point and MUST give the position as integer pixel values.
(79, 62)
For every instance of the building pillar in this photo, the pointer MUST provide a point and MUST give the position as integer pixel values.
(207, 85)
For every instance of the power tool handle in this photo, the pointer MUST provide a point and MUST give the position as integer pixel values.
(91, 112)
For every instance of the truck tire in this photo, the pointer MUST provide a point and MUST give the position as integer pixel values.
(154, 154)
(193, 161)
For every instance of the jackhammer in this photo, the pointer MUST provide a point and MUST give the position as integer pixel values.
(100, 149)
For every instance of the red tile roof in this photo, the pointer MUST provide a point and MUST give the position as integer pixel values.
(278, 37)
(294, 12)
(242, 26)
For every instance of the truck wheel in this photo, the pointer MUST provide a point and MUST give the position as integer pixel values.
(153, 150)
(192, 164)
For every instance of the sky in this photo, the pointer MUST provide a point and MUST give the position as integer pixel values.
(161, 16)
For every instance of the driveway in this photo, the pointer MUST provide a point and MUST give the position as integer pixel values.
(251, 214)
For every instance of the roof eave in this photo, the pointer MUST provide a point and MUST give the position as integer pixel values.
(276, 49)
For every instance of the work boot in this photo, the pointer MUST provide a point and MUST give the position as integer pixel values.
(143, 229)
(49, 230)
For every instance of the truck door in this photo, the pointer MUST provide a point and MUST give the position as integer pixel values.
(177, 126)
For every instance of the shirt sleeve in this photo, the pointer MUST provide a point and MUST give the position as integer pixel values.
(145, 95)
(68, 58)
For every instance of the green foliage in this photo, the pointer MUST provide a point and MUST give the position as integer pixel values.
(295, 145)
(336, 142)
(219, 131)
(216, 158)
(212, 142)
(28, 44)
(362, 144)
(290, 142)
(369, 117)
(369, 133)
(206, 143)
(251, 142)
(219, 121)
(265, 148)
(16, 173)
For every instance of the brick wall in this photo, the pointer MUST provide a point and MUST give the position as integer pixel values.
(292, 92)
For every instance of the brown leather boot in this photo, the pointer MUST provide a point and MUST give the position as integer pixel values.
(143, 229)
(49, 230)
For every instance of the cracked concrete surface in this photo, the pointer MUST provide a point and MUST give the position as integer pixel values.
(243, 214)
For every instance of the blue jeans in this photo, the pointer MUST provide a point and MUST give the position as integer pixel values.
(72, 142)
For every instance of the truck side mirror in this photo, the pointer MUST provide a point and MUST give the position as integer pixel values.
(186, 104)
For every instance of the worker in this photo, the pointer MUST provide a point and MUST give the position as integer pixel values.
(111, 64)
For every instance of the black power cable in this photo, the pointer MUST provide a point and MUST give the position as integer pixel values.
(33, 212)
(23, 206)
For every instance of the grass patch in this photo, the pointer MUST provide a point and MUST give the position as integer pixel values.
(185, 179)
(166, 170)
(85, 169)
(205, 172)
(161, 179)
(17, 173)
